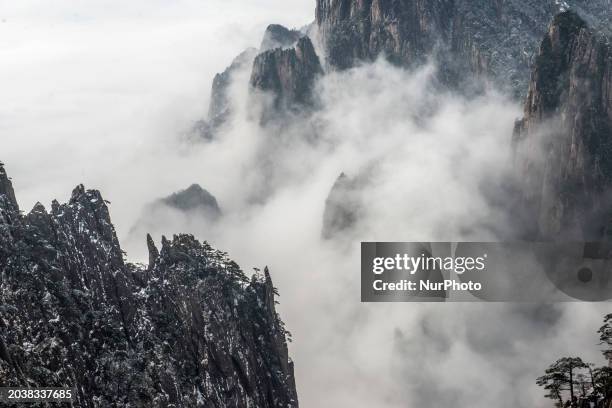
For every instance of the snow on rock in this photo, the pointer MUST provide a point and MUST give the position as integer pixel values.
(188, 330)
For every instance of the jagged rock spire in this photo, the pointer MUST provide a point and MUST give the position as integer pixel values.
(6, 189)
(289, 74)
(153, 251)
(40, 219)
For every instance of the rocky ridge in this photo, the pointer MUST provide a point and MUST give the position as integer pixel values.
(474, 42)
(494, 40)
(188, 330)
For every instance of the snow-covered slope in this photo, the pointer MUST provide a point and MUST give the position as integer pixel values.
(190, 329)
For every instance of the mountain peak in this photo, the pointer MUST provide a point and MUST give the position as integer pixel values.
(288, 74)
(278, 36)
(39, 208)
(569, 19)
(193, 198)
(564, 27)
(81, 195)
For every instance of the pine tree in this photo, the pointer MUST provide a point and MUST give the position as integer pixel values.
(562, 375)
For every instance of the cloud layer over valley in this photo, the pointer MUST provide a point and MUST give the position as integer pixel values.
(107, 98)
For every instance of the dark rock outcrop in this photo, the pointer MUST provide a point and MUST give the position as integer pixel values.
(278, 36)
(564, 142)
(342, 207)
(6, 189)
(9, 214)
(288, 74)
(153, 251)
(286, 64)
(189, 330)
(490, 39)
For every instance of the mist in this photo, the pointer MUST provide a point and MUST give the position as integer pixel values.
(107, 98)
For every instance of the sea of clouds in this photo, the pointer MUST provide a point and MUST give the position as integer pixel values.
(106, 96)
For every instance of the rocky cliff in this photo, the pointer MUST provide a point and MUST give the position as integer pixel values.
(9, 211)
(564, 142)
(188, 330)
(491, 39)
(285, 66)
(361, 30)
(475, 43)
(287, 74)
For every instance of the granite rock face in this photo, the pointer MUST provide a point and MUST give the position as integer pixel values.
(361, 30)
(6, 189)
(489, 39)
(564, 142)
(288, 74)
(188, 330)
